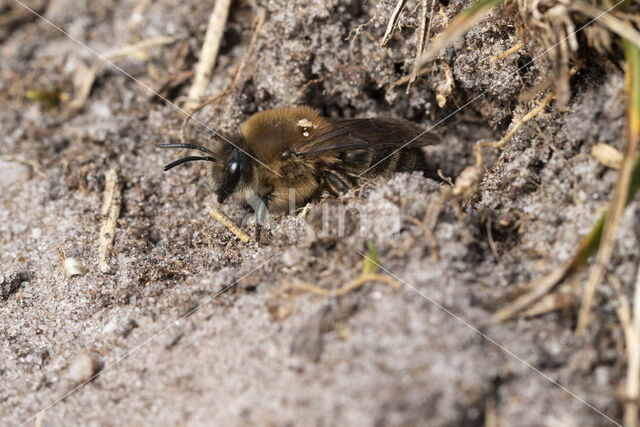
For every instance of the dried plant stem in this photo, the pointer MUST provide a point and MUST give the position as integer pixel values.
(356, 283)
(222, 219)
(461, 24)
(530, 115)
(140, 47)
(632, 387)
(110, 213)
(209, 53)
(567, 296)
(631, 326)
(393, 21)
(513, 49)
(422, 72)
(536, 290)
(236, 80)
(622, 187)
(614, 24)
(423, 37)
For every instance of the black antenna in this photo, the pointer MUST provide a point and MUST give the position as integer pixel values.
(187, 159)
(193, 146)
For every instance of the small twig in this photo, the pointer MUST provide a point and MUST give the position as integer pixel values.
(422, 37)
(209, 52)
(305, 86)
(429, 233)
(356, 283)
(406, 79)
(513, 49)
(236, 80)
(393, 21)
(530, 115)
(355, 32)
(222, 219)
(110, 213)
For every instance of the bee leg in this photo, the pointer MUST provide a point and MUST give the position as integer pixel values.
(261, 215)
(337, 184)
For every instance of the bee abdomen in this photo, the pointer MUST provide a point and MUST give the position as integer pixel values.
(362, 163)
(410, 160)
(388, 161)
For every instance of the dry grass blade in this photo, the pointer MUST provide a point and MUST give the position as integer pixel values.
(614, 24)
(222, 219)
(236, 80)
(423, 33)
(356, 283)
(631, 327)
(209, 53)
(621, 191)
(537, 288)
(463, 22)
(566, 297)
(140, 48)
(393, 21)
(633, 368)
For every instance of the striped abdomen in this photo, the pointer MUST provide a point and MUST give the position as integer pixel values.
(360, 164)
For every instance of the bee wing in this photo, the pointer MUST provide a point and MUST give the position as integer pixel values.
(371, 133)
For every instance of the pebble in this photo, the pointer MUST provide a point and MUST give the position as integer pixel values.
(82, 368)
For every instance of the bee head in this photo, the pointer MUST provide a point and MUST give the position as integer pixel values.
(236, 168)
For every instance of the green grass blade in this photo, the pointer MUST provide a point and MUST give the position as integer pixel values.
(370, 260)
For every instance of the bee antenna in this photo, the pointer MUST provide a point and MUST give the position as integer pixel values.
(187, 159)
(193, 146)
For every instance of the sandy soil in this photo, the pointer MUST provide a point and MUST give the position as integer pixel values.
(258, 354)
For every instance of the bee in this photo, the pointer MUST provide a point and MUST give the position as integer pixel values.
(275, 151)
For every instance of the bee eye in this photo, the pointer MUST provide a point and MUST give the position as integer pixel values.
(237, 165)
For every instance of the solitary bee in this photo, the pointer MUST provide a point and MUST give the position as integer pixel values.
(296, 148)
